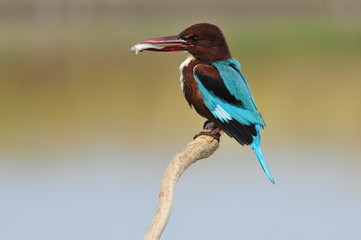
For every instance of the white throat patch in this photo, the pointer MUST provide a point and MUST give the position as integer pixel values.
(183, 65)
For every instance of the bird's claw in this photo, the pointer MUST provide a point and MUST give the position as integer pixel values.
(210, 129)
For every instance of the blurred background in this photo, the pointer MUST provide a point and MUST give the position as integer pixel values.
(87, 127)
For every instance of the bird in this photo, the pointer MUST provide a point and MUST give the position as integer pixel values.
(214, 85)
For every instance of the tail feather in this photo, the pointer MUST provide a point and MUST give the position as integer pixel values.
(256, 146)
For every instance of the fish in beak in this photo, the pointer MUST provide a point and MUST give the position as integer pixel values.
(162, 44)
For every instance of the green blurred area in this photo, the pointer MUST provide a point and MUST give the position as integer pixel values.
(71, 83)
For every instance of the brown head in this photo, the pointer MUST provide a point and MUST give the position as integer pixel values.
(207, 42)
(203, 40)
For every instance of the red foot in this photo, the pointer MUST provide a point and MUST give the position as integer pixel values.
(215, 134)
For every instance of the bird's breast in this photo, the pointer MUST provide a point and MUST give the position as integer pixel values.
(190, 87)
(184, 68)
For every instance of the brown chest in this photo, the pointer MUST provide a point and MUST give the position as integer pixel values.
(190, 88)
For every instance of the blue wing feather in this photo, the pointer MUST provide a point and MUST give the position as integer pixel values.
(236, 84)
(235, 81)
(229, 113)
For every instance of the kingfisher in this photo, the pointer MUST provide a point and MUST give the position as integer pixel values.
(213, 84)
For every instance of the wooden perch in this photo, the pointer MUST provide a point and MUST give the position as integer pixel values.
(201, 147)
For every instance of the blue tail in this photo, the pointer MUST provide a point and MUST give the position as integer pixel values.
(256, 146)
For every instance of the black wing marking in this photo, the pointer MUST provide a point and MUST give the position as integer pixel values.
(242, 133)
(211, 79)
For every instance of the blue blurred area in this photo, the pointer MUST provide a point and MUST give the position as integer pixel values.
(87, 128)
(100, 195)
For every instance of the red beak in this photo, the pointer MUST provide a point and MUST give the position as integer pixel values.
(171, 43)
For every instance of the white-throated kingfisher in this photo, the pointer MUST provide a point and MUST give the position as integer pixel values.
(212, 82)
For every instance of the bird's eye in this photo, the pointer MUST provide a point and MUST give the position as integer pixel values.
(194, 38)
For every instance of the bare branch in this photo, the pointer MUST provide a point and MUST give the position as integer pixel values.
(201, 147)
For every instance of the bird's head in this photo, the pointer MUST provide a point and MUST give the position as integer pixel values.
(203, 40)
